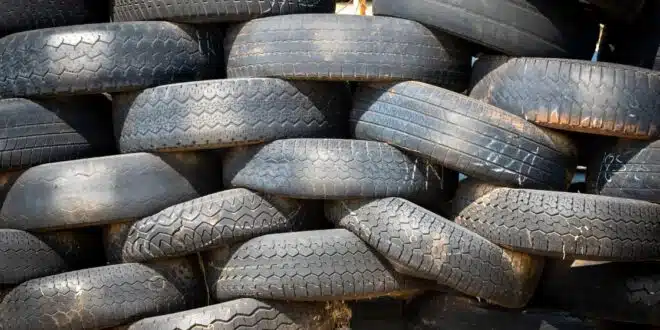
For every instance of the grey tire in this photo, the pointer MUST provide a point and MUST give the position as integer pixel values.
(23, 257)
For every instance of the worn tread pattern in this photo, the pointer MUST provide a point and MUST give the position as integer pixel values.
(425, 245)
(23, 257)
(205, 11)
(225, 113)
(626, 168)
(244, 313)
(103, 190)
(111, 57)
(305, 266)
(330, 169)
(566, 225)
(580, 96)
(463, 134)
(23, 15)
(335, 47)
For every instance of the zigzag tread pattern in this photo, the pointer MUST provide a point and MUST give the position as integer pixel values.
(23, 257)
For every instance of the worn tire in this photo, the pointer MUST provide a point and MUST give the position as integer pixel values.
(23, 257)
(330, 169)
(225, 113)
(626, 168)
(463, 134)
(104, 190)
(565, 225)
(112, 57)
(22, 15)
(422, 244)
(534, 28)
(204, 11)
(245, 313)
(37, 132)
(305, 266)
(579, 96)
(335, 47)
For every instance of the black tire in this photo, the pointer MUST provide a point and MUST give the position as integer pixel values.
(335, 47)
(534, 28)
(22, 15)
(225, 113)
(318, 265)
(422, 244)
(579, 96)
(81, 248)
(330, 169)
(626, 168)
(245, 313)
(565, 225)
(91, 298)
(112, 57)
(38, 132)
(23, 257)
(204, 11)
(103, 190)
(619, 10)
(463, 134)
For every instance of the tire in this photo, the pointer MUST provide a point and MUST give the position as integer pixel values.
(105, 190)
(425, 245)
(618, 10)
(91, 298)
(203, 11)
(626, 168)
(335, 47)
(565, 225)
(81, 248)
(536, 28)
(578, 96)
(330, 169)
(245, 312)
(21, 15)
(318, 265)
(106, 58)
(114, 238)
(23, 257)
(226, 113)
(38, 132)
(462, 134)
(213, 221)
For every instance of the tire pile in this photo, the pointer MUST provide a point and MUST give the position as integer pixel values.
(233, 164)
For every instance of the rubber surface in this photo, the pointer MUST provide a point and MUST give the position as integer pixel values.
(80, 248)
(516, 27)
(620, 10)
(245, 313)
(225, 113)
(204, 11)
(23, 257)
(23, 15)
(330, 169)
(335, 47)
(112, 57)
(463, 134)
(103, 190)
(305, 266)
(36, 132)
(213, 221)
(422, 244)
(579, 96)
(626, 168)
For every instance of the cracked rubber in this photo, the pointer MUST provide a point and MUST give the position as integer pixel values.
(331, 169)
(335, 47)
(425, 245)
(626, 168)
(225, 113)
(317, 265)
(92, 298)
(516, 27)
(213, 221)
(565, 225)
(23, 256)
(463, 134)
(213, 11)
(245, 313)
(37, 132)
(572, 95)
(104, 190)
(23, 15)
(111, 57)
